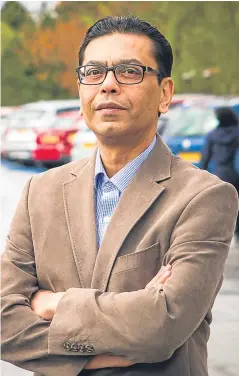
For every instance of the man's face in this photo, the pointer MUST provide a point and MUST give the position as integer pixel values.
(140, 102)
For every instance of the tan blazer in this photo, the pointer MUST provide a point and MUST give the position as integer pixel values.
(171, 212)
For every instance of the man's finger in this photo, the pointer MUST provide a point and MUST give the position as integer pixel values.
(160, 277)
(164, 277)
(160, 273)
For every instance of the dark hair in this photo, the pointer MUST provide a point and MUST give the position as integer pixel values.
(226, 117)
(132, 25)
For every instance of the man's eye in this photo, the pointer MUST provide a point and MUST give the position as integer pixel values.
(130, 71)
(93, 72)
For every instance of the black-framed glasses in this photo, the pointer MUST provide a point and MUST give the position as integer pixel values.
(128, 74)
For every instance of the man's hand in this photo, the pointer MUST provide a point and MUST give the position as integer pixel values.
(161, 277)
(44, 303)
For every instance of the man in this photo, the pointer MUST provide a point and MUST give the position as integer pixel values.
(83, 288)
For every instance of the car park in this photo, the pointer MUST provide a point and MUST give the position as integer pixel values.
(23, 126)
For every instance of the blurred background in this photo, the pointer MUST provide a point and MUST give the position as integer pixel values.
(41, 126)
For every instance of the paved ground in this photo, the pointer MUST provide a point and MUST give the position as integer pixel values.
(224, 340)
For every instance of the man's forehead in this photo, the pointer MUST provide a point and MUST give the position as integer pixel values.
(116, 47)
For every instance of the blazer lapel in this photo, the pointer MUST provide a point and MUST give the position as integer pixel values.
(142, 191)
(80, 215)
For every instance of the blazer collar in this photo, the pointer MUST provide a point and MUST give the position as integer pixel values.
(157, 165)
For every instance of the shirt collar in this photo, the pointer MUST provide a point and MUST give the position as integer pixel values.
(125, 175)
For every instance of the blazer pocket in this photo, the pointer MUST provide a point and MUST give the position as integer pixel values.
(133, 271)
(137, 259)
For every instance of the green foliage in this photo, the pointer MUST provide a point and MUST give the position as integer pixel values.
(8, 35)
(48, 21)
(15, 15)
(19, 79)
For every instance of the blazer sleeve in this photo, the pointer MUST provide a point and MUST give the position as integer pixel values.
(148, 325)
(24, 334)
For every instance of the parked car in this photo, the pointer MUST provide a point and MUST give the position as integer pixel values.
(24, 125)
(54, 145)
(179, 100)
(234, 103)
(84, 142)
(186, 136)
(5, 113)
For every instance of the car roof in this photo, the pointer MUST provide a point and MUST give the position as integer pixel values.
(52, 105)
(203, 104)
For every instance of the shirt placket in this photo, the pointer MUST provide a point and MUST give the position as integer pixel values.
(110, 197)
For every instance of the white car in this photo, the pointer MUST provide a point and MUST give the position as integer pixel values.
(84, 142)
(22, 128)
(5, 113)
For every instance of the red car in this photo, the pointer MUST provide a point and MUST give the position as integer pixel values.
(54, 145)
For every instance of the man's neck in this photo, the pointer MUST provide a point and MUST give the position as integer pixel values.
(114, 158)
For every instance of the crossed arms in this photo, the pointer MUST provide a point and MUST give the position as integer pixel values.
(44, 303)
(151, 314)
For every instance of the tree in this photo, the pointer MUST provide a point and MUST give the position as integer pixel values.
(16, 16)
(20, 81)
(53, 53)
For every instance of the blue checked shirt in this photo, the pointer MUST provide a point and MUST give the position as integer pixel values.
(108, 191)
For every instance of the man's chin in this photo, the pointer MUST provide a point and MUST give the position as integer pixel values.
(112, 134)
(108, 129)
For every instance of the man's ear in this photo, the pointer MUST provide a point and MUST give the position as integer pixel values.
(167, 90)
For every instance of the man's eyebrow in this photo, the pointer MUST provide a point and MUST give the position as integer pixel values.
(121, 61)
(95, 62)
(130, 61)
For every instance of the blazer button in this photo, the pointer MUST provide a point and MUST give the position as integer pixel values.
(89, 348)
(67, 346)
(75, 347)
(82, 348)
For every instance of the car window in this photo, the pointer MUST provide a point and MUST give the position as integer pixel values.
(64, 123)
(193, 122)
(27, 115)
(67, 109)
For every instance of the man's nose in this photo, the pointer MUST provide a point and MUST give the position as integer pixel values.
(110, 84)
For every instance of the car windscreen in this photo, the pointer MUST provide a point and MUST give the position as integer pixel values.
(64, 123)
(169, 118)
(192, 122)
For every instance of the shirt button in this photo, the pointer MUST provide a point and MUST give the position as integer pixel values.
(67, 346)
(106, 219)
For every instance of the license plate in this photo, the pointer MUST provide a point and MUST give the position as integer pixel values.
(19, 154)
(193, 157)
(89, 145)
(48, 139)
